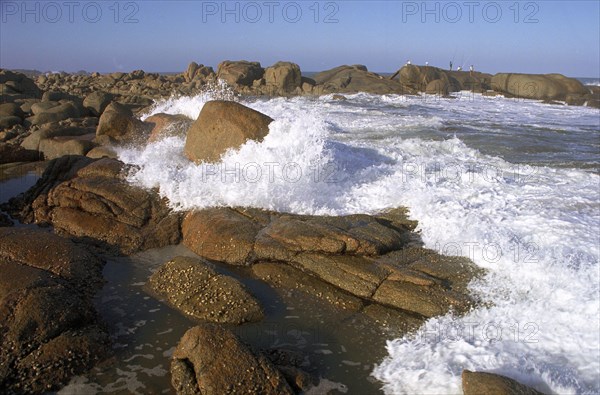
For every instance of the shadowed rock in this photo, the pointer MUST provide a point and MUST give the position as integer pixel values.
(167, 125)
(49, 331)
(201, 293)
(211, 360)
(118, 123)
(92, 200)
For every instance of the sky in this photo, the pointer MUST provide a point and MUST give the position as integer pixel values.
(494, 36)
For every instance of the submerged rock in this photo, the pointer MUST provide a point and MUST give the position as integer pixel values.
(49, 331)
(201, 293)
(476, 383)
(222, 125)
(211, 360)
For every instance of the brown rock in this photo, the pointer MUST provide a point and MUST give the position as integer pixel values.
(538, 86)
(117, 121)
(241, 72)
(222, 125)
(201, 293)
(167, 125)
(354, 79)
(49, 331)
(96, 102)
(221, 234)
(56, 147)
(476, 383)
(93, 201)
(284, 77)
(437, 87)
(285, 278)
(211, 360)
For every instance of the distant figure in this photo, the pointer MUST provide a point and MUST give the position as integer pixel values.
(471, 70)
(450, 65)
(408, 63)
(426, 63)
(459, 68)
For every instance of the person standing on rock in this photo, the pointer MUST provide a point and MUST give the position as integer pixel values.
(471, 71)
(450, 65)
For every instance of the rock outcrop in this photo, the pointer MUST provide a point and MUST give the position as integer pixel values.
(538, 86)
(371, 258)
(222, 125)
(91, 200)
(240, 73)
(118, 123)
(167, 125)
(211, 360)
(49, 329)
(283, 78)
(354, 79)
(199, 292)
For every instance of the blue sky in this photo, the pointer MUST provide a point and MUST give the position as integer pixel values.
(524, 36)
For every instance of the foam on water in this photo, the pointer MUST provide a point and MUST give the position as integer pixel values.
(534, 228)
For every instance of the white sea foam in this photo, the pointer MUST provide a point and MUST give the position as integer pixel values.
(534, 228)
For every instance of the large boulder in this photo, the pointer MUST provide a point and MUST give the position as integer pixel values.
(283, 77)
(55, 147)
(438, 87)
(419, 78)
(211, 360)
(96, 102)
(354, 79)
(240, 73)
(538, 86)
(476, 383)
(49, 330)
(198, 291)
(15, 85)
(118, 123)
(222, 125)
(196, 71)
(92, 200)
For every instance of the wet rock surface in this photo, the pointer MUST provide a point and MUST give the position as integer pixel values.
(348, 260)
(198, 291)
(50, 330)
(223, 125)
(211, 360)
(475, 383)
(92, 201)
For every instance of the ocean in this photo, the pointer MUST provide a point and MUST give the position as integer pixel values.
(512, 184)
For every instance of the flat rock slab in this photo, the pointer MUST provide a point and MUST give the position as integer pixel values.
(362, 259)
(201, 293)
(49, 329)
(211, 360)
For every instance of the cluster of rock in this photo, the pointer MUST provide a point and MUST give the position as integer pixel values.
(74, 113)
(368, 264)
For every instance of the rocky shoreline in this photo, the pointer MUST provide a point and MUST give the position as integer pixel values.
(372, 265)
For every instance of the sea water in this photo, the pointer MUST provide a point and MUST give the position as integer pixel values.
(512, 184)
